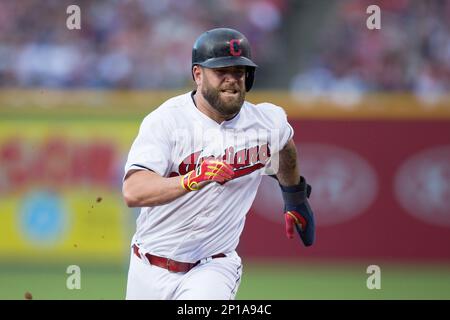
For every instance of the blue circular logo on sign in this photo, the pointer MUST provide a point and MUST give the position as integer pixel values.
(43, 217)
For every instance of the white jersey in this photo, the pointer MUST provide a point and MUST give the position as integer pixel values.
(176, 137)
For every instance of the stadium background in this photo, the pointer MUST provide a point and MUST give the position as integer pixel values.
(370, 109)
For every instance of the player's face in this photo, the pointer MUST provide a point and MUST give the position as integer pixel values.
(224, 88)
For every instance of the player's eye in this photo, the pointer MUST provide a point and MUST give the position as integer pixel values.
(234, 72)
(239, 73)
(220, 72)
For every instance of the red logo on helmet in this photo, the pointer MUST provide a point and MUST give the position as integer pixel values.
(235, 48)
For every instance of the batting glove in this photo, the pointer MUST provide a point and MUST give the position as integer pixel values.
(208, 171)
(298, 213)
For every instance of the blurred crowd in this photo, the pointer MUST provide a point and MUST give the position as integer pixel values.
(121, 44)
(410, 52)
(146, 44)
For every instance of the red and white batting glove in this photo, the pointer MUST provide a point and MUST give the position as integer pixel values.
(208, 171)
(294, 219)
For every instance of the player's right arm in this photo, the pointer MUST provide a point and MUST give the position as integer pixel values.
(144, 188)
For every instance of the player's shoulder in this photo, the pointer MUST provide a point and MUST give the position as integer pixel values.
(265, 110)
(174, 104)
(269, 107)
(170, 108)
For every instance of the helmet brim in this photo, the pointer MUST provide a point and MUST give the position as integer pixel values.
(230, 61)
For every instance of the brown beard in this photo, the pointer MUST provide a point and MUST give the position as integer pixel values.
(225, 108)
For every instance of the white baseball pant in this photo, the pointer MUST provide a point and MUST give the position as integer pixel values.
(212, 279)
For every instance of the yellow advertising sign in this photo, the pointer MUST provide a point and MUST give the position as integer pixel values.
(60, 189)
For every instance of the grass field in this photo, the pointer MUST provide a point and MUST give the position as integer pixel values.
(260, 281)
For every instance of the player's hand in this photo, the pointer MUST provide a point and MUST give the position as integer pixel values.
(298, 213)
(208, 171)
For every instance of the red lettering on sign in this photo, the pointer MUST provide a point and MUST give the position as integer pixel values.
(56, 162)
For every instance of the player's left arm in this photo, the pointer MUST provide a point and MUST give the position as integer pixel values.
(288, 171)
(296, 191)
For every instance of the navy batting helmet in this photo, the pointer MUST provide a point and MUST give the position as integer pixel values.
(224, 47)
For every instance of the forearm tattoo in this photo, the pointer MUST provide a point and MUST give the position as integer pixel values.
(288, 172)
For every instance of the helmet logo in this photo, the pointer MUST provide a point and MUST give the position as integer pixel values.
(235, 48)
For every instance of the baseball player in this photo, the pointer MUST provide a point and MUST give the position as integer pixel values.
(194, 169)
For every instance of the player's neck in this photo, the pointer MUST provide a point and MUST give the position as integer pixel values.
(203, 106)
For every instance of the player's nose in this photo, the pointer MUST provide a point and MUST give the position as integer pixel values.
(234, 74)
(231, 81)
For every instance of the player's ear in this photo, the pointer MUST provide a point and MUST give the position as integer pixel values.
(197, 73)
